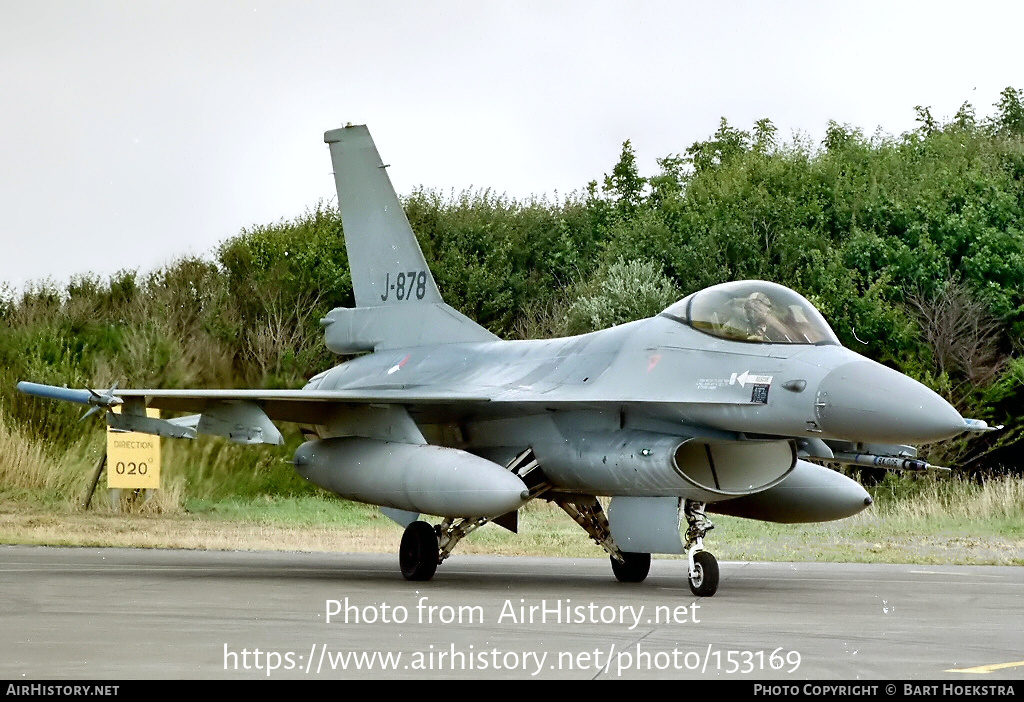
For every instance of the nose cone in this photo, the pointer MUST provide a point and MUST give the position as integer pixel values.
(865, 401)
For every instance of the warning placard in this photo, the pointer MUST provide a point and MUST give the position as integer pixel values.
(133, 459)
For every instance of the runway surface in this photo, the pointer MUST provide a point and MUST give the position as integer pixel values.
(128, 614)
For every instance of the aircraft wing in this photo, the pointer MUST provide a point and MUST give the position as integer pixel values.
(242, 406)
(313, 406)
(288, 405)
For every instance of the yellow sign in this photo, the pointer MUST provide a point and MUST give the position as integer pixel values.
(133, 459)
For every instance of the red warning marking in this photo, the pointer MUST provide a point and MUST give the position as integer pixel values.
(395, 368)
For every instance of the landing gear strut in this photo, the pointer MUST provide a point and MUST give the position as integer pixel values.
(703, 567)
(424, 547)
(587, 512)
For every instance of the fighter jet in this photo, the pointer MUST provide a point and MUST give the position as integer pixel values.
(727, 402)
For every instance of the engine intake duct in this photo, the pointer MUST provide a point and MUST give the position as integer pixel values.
(643, 463)
(735, 467)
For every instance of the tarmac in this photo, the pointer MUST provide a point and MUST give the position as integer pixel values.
(125, 614)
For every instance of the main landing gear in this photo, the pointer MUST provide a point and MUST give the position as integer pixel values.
(425, 546)
(633, 568)
(417, 554)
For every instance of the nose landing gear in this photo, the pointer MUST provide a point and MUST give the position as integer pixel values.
(703, 567)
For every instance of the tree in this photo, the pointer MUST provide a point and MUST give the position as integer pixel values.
(622, 292)
(625, 184)
(1010, 116)
(962, 335)
(726, 143)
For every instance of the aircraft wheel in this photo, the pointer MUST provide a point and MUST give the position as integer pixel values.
(704, 580)
(635, 568)
(417, 555)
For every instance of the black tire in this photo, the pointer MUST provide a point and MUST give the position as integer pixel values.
(634, 569)
(704, 581)
(417, 555)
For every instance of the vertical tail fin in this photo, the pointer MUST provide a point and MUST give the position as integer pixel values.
(397, 301)
(385, 259)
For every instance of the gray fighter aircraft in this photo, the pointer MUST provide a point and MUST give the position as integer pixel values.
(711, 405)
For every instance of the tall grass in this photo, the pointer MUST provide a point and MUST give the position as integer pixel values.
(28, 471)
(215, 469)
(955, 502)
(34, 473)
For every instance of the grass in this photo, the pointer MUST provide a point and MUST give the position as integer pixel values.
(322, 523)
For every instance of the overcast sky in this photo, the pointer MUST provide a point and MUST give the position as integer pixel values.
(132, 133)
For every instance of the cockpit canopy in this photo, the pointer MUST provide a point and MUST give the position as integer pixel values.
(754, 311)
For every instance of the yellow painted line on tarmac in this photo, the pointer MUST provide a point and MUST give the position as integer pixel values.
(986, 668)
